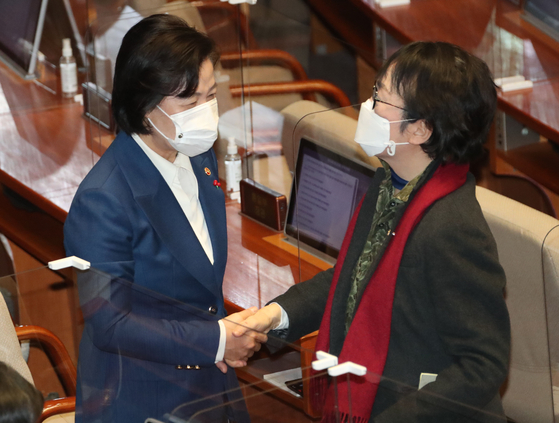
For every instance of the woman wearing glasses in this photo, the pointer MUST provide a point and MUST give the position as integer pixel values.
(416, 295)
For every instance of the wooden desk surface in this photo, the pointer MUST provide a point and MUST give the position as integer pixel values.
(44, 154)
(491, 29)
(258, 271)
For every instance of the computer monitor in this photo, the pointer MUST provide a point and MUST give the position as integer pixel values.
(326, 189)
(544, 14)
(28, 27)
(21, 27)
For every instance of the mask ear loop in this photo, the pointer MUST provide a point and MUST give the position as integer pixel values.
(391, 144)
(163, 111)
(391, 148)
(158, 130)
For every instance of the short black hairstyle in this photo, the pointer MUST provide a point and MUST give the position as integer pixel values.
(160, 56)
(20, 401)
(452, 90)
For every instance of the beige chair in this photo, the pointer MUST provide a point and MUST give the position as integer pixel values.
(8, 285)
(333, 129)
(528, 245)
(10, 352)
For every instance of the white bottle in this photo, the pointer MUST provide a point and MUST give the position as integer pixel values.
(233, 170)
(68, 70)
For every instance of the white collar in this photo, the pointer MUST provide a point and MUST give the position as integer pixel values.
(167, 169)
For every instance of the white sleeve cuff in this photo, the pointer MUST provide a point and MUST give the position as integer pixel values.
(222, 341)
(284, 322)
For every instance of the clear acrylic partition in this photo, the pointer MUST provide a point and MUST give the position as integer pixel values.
(127, 341)
(273, 55)
(518, 47)
(509, 49)
(331, 175)
(43, 134)
(42, 90)
(338, 400)
(288, 57)
(146, 332)
(494, 30)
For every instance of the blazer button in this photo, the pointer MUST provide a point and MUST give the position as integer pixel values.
(212, 309)
(187, 367)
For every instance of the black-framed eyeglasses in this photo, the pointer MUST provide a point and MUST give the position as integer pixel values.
(377, 100)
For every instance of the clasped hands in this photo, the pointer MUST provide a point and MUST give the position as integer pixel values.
(246, 332)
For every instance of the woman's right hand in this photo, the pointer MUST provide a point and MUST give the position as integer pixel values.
(241, 341)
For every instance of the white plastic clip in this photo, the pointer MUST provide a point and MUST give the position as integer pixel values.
(240, 1)
(347, 367)
(324, 361)
(390, 3)
(513, 83)
(73, 261)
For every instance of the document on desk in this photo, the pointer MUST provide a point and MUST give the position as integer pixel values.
(279, 378)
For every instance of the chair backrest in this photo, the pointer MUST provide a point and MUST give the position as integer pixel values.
(528, 245)
(330, 128)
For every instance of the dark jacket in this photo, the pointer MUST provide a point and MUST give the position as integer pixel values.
(449, 316)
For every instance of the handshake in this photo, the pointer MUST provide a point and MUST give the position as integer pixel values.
(246, 332)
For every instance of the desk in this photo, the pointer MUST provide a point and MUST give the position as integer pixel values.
(491, 29)
(43, 159)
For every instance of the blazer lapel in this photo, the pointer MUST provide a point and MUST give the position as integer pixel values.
(163, 211)
(212, 201)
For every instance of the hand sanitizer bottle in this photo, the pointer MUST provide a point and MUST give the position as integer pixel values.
(68, 71)
(233, 170)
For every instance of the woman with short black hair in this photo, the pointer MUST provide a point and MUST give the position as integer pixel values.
(149, 217)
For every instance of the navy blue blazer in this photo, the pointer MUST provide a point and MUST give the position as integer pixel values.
(152, 303)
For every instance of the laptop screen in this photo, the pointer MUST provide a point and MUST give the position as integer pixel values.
(326, 189)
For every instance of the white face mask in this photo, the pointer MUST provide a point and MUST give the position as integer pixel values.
(195, 129)
(373, 131)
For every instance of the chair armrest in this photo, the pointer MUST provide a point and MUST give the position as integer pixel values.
(55, 351)
(310, 86)
(57, 406)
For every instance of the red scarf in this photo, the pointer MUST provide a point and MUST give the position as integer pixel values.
(365, 343)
